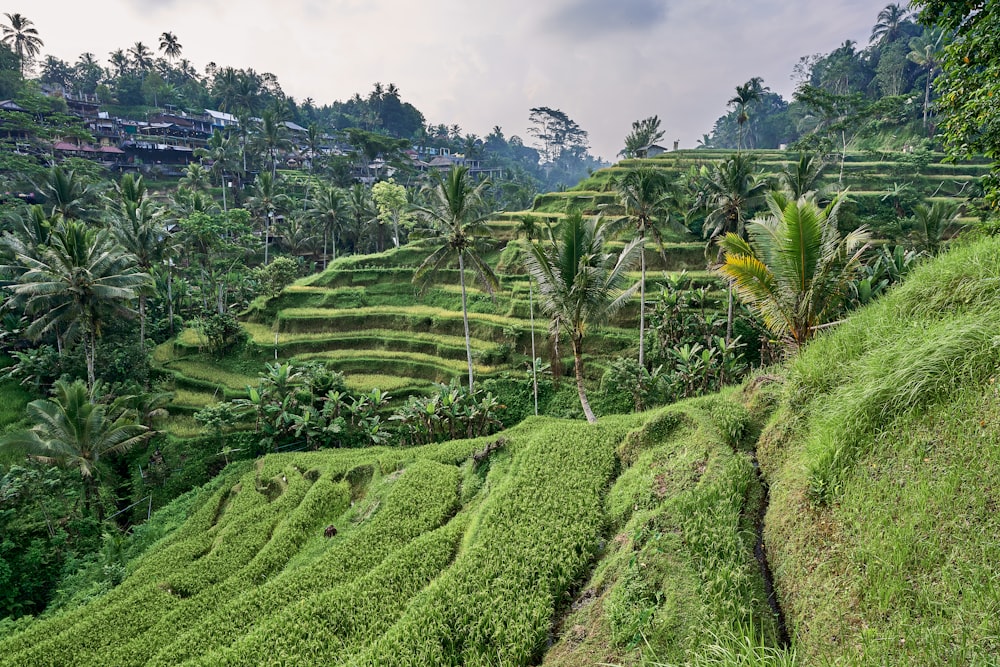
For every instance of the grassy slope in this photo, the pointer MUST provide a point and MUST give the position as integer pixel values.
(884, 461)
(443, 562)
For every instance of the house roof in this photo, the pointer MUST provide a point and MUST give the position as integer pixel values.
(10, 105)
(221, 115)
(294, 127)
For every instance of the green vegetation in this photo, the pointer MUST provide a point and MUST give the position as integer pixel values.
(327, 489)
(881, 457)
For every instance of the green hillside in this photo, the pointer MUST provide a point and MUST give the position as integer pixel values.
(869, 177)
(627, 542)
(363, 316)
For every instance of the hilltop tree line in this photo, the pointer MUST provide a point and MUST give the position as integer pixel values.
(865, 94)
(134, 80)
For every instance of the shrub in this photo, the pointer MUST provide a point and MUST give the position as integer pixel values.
(223, 332)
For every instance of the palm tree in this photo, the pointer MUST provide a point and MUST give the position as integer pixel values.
(29, 235)
(889, 24)
(77, 429)
(925, 52)
(142, 57)
(267, 199)
(137, 227)
(331, 210)
(195, 178)
(314, 141)
(931, 223)
(297, 236)
(169, 45)
(362, 211)
(272, 137)
(580, 284)
(729, 192)
(800, 177)
(23, 38)
(747, 94)
(644, 132)
(642, 195)
(78, 278)
(66, 194)
(221, 151)
(455, 211)
(119, 61)
(527, 226)
(795, 269)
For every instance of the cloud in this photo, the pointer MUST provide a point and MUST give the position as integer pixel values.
(590, 18)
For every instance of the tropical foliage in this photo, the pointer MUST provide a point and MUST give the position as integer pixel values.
(795, 269)
(581, 284)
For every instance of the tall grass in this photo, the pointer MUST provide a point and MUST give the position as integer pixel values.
(884, 460)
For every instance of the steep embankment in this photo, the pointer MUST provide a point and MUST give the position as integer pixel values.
(884, 462)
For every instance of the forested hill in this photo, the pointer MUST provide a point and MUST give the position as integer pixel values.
(879, 96)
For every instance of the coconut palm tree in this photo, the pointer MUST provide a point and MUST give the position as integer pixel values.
(729, 192)
(526, 225)
(799, 178)
(195, 178)
(331, 210)
(66, 194)
(142, 57)
(81, 276)
(314, 142)
(456, 213)
(267, 200)
(795, 269)
(28, 235)
(889, 24)
(925, 52)
(363, 214)
(136, 222)
(221, 151)
(169, 46)
(23, 38)
(747, 94)
(119, 61)
(272, 136)
(76, 428)
(931, 223)
(643, 195)
(581, 284)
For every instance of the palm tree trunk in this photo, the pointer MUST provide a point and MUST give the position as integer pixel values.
(927, 95)
(465, 316)
(170, 294)
(91, 343)
(534, 366)
(578, 366)
(642, 302)
(843, 155)
(142, 320)
(729, 317)
(225, 206)
(326, 236)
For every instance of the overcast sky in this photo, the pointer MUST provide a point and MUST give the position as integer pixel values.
(479, 63)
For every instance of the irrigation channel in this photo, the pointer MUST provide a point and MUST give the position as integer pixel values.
(760, 553)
